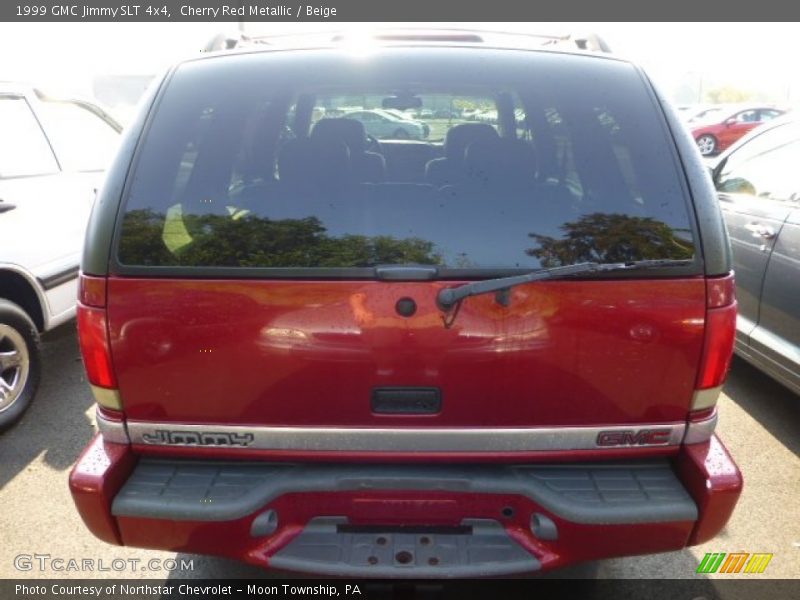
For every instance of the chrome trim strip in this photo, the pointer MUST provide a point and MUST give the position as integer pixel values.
(341, 439)
(703, 399)
(698, 432)
(113, 431)
(56, 279)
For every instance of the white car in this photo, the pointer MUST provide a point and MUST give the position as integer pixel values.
(385, 124)
(52, 157)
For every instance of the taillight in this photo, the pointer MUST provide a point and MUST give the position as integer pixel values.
(93, 336)
(720, 334)
(94, 346)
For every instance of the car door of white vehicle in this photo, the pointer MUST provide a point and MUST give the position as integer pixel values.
(47, 207)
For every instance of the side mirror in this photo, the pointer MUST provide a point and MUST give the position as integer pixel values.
(714, 169)
(729, 122)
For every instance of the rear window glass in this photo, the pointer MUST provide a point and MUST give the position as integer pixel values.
(326, 161)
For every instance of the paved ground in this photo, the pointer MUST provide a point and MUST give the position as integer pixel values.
(760, 422)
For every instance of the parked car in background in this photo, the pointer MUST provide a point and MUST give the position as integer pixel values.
(400, 114)
(759, 191)
(714, 134)
(707, 113)
(470, 114)
(52, 154)
(693, 113)
(486, 116)
(445, 113)
(383, 124)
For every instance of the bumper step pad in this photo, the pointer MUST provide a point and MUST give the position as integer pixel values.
(593, 493)
(480, 548)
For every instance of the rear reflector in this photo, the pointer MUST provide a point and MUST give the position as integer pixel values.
(719, 335)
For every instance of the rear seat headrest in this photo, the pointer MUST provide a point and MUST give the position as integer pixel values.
(461, 136)
(500, 161)
(259, 156)
(349, 131)
(316, 161)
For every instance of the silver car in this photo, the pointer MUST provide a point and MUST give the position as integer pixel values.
(758, 183)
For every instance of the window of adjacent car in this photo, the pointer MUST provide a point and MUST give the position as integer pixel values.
(24, 149)
(747, 116)
(765, 167)
(83, 141)
(768, 114)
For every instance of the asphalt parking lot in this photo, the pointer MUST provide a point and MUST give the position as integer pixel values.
(759, 422)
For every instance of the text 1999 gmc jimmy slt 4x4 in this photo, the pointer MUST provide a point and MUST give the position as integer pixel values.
(497, 350)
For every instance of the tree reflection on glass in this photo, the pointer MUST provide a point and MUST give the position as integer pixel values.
(604, 237)
(252, 241)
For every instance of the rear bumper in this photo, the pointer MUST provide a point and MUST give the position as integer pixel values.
(406, 520)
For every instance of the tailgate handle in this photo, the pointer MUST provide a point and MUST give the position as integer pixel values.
(406, 401)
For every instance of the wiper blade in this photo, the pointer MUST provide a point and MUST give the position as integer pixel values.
(450, 297)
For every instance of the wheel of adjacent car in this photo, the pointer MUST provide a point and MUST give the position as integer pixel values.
(20, 363)
(707, 144)
(401, 134)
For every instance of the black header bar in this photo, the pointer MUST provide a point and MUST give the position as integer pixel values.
(333, 11)
(347, 589)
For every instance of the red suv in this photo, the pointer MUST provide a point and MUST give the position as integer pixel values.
(496, 350)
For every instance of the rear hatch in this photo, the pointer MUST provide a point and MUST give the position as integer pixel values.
(263, 276)
(316, 353)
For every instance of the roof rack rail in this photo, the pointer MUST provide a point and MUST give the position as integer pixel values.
(591, 42)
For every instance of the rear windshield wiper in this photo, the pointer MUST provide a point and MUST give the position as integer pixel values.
(448, 298)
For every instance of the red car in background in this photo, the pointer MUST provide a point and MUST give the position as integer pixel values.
(714, 136)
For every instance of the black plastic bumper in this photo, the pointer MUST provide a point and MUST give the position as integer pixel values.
(606, 493)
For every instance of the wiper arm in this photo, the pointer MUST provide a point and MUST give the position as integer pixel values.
(451, 297)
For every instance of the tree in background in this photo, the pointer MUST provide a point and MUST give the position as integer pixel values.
(728, 94)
